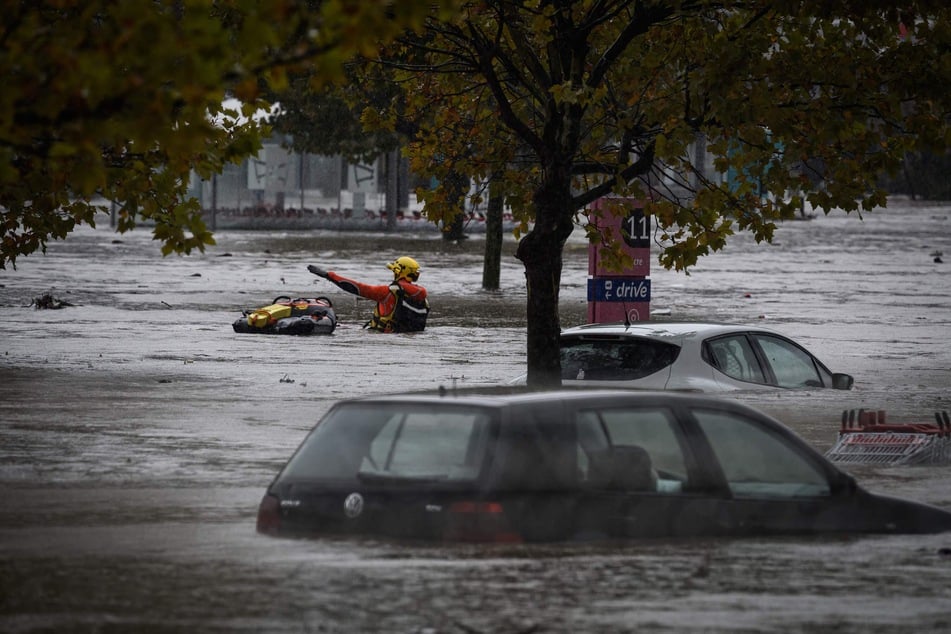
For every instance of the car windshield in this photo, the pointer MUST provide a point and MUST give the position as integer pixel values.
(614, 358)
(392, 443)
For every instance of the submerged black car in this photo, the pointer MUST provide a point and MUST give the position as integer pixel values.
(568, 465)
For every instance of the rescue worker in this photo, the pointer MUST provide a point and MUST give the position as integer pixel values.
(401, 306)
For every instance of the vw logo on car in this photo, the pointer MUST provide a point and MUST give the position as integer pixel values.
(353, 505)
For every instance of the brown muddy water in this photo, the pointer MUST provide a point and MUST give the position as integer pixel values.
(138, 432)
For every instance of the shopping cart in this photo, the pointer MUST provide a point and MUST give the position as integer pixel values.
(866, 438)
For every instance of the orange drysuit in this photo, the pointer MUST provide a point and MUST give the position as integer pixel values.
(400, 307)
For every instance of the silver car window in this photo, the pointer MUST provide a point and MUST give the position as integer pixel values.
(756, 462)
(792, 366)
(734, 356)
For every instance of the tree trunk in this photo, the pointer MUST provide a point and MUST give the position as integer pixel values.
(492, 264)
(392, 188)
(541, 253)
(457, 186)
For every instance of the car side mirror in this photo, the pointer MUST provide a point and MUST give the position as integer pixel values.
(842, 381)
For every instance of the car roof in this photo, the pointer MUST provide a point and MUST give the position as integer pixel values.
(663, 330)
(512, 395)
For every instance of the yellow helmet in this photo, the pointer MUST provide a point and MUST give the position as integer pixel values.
(404, 268)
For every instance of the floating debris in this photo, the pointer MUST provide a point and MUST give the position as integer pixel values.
(48, 301)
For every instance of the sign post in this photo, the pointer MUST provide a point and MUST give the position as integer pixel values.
(620, 295)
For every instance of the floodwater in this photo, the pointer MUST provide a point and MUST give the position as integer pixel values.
(138, 432)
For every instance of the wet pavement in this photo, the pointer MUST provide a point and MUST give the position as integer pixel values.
(138, 432)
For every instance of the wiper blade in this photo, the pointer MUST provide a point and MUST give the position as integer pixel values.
(372, 476)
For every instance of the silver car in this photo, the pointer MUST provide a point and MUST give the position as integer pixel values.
(703, 357)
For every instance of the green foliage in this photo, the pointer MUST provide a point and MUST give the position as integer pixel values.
(572, 101)
(118, 101)
(575, 100)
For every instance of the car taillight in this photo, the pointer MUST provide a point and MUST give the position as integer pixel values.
(269, 515)
(479, 522)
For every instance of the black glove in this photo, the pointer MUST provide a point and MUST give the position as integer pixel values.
(316, 270)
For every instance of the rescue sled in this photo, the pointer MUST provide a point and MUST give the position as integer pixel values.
(866, 438)
(286, 316)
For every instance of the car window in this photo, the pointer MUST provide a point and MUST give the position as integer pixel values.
(425, 443)
(614, 359)
(757, 462)
(791, 365)
(640, 441)
(734, 356)
(394, 441)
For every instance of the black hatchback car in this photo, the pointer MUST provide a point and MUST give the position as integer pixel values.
(510, 466)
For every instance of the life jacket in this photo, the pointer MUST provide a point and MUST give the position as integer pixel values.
(408, 315)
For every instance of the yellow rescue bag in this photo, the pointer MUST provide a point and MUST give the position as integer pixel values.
(263, 317)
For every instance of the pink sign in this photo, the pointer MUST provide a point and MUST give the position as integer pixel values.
(609, 313)
(622, 222)
(619, 295)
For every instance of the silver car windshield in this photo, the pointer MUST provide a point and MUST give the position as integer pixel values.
(393, 442)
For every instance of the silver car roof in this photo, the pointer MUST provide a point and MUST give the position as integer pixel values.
(675, 330)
